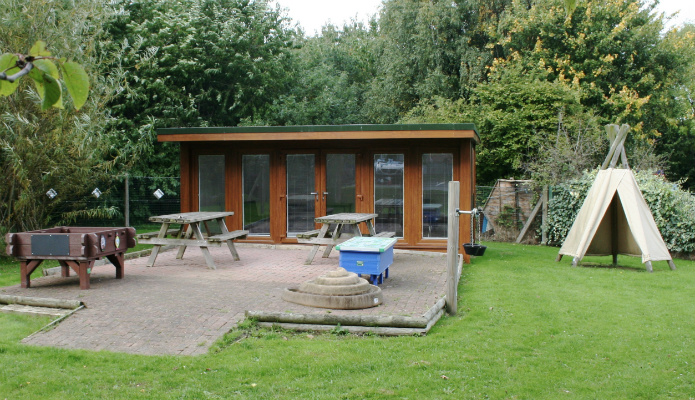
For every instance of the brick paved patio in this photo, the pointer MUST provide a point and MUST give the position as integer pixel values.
(181, 307)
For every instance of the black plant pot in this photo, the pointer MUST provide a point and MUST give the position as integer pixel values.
(473, 249)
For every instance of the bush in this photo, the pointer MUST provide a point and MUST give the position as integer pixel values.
(672, 207)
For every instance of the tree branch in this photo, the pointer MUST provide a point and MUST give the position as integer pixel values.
(27, 67)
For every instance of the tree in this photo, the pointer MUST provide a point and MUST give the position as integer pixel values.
(612, 52)
(528, 127)
(594, 61)
(329, 76)
(426, 49)
(677, 143)
(195, 63)
(59, 148)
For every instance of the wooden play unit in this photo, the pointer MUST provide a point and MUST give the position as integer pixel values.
(74, 247)
(279, 180)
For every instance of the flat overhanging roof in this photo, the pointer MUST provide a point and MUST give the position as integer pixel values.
(319, 132)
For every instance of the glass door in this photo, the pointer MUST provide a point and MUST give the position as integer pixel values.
(318, 184)
(211, 183)
(302, 193)
(211, 186)
(389, 192)
(339, 189)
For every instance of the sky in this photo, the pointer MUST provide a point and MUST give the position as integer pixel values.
(313, 14)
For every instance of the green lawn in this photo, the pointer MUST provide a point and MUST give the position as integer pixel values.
(528, 328)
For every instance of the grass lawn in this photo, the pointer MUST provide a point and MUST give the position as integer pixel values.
(528, 328)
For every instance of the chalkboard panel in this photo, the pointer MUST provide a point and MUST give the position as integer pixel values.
(50, 245)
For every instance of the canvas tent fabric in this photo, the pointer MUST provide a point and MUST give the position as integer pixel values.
(615, 219)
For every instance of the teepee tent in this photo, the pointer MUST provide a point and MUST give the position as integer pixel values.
(614, 218)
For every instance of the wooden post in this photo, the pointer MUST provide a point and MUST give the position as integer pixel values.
(452, 249)
(544, 217)
(614, 229)
(127, 203)
(530, 221)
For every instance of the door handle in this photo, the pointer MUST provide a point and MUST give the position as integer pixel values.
(324, 195)
(316, 194)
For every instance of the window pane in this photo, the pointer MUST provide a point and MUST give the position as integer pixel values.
(256, 182)
(300, 197)
(437, 171)
(211, 183)
(388, 192)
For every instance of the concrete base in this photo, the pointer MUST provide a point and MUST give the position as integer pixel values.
(372, 298)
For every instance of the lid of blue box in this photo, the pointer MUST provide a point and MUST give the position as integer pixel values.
(368, 244)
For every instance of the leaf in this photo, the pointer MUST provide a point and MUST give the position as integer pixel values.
(39, 49)
(570, 6)
(48, 67)
(36, 76)
(54, 93)
(48, 87)
(77, 82)
(6, 62)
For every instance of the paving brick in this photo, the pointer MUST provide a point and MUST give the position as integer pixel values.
(177, 305)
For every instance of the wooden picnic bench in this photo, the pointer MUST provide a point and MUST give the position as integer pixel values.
(192, 221)
(324, 237)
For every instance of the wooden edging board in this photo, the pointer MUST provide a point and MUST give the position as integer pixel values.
(380, 325)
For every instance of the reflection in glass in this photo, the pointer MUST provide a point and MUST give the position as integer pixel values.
(437, 171)
(256, 183)
(388, 192)
(300, 200)
(340, 183)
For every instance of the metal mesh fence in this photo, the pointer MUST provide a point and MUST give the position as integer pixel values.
(130, 201)
(507, 207)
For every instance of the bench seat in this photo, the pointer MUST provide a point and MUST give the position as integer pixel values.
(385, 234)
(227, 236)
(323, 241)
(149, 235)
(311, 234)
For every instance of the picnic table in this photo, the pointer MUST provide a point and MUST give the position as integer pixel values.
(332, 238)
(192, 222)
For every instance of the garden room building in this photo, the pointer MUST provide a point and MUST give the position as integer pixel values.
(276, 180)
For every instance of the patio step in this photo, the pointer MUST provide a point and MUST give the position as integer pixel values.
(33, 310)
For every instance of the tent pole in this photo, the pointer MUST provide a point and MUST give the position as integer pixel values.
(614, 231)
(649, 266)
(672, 265)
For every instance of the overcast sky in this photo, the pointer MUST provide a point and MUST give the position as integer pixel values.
(313, 14)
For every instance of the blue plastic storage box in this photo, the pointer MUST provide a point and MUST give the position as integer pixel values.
(368, 255)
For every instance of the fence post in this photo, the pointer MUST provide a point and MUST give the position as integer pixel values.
(127, 203)
(544, 217)
(452, 249)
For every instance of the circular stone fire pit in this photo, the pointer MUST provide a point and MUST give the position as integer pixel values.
(339, 289)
